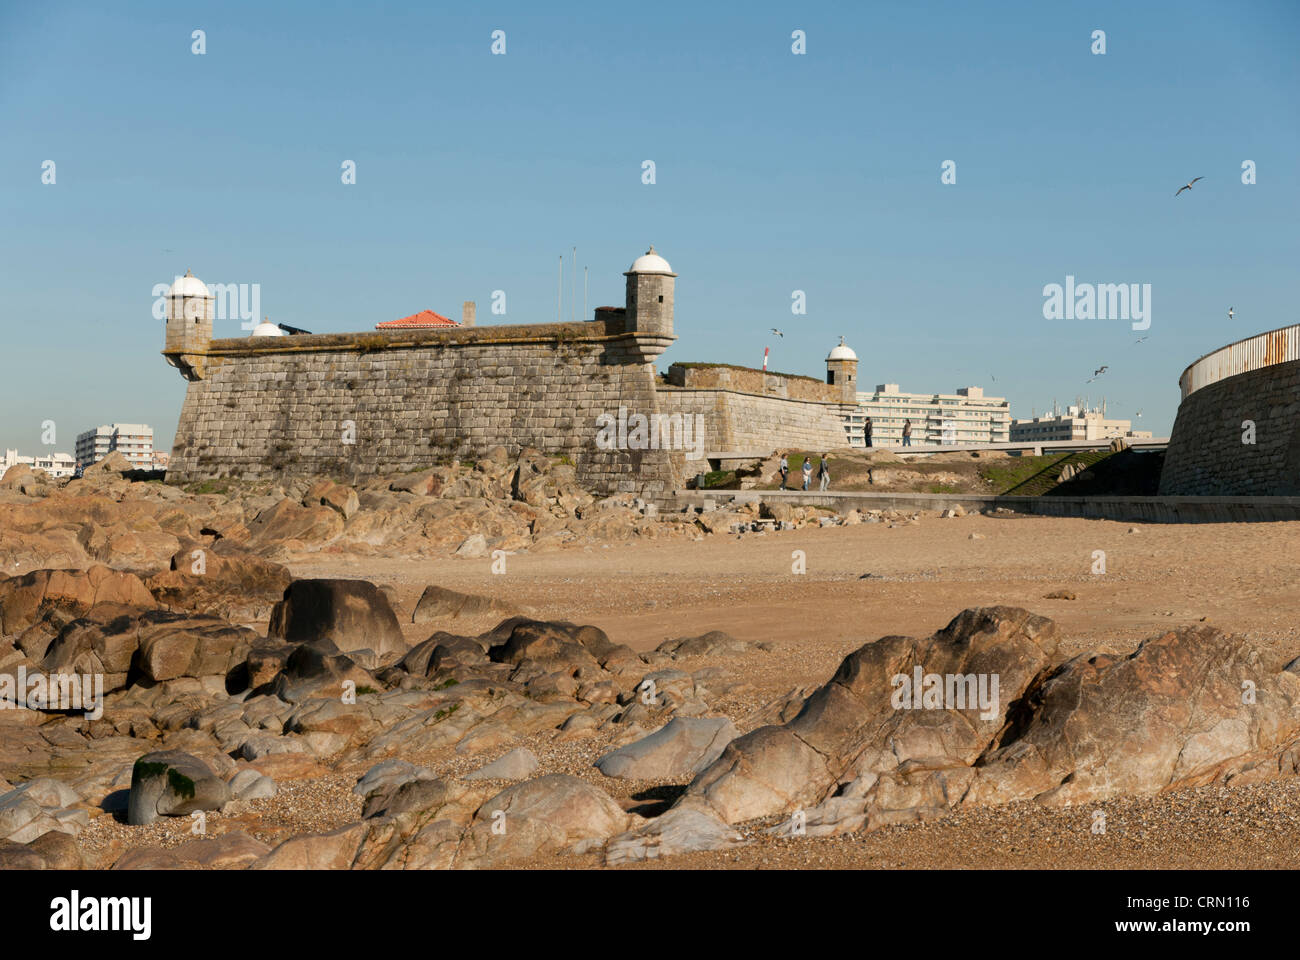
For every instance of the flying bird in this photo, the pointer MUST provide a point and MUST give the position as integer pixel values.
(1138, 414)
(1140, 339)
(1230, 313)
(1188, 186)
(1100, 370)
(777, 332)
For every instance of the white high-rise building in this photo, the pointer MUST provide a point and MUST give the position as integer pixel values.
(133, 440)
(938, 419)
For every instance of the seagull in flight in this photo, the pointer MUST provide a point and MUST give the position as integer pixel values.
(777, 332)
(1138, 415)
(1140, 339)
(1100, 370)
(1188, 186)
(1230, 313)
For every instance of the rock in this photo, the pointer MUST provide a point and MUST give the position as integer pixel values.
(1169, 715)
(474, 546)
(112, 465)
(233, 584)
(713, 643)
(170, 783)
(189, 645)
(518, 764)
(228, 851)
(248, 784)
(552, 814)
(17, 813)
(58, 850)
(333, 850)
(19, 856)
(290, 521)
(337, 497)
(150, 858)
(24, 598)
(547, 646)
(851, 725)
(439, 603)
(679, 750)
(318, 670)
(687, 829)
(352, 614)
(387, 776)
(47, 792)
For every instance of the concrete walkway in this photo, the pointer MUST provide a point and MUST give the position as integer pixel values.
(1144, 509)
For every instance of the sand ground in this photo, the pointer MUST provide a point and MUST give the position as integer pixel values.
(861, 583)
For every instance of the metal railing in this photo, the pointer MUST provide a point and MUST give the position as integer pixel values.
(1261, 350)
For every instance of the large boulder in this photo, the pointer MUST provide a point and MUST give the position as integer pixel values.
(24, 598)
(679, 750)
(351, 614)
(439, 603)
(1185, 709)
(852, 725)
(221, 579)
(552, 814)
(1189, 707)
(170, 783)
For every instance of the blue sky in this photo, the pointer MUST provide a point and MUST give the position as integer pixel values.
(775, 173)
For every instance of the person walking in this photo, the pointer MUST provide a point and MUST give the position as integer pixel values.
(807, 472)
(825, 473)
(907, 433)
(866, 431)
(785, 470)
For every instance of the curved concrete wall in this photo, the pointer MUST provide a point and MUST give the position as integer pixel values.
(1255, 380)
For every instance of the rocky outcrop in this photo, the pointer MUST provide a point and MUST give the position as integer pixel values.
(351, 614)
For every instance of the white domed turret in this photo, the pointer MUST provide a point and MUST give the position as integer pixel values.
(188, 286)
(190, 311)
(267, 329)
(841, 352)
(648, 305)
(651, 262)
(842, 371)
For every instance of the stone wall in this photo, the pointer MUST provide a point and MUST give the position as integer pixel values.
(747, 380)
(1206, 455)
(411, 399)
(750, 423)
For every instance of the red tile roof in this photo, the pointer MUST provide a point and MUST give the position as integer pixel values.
(425, 318)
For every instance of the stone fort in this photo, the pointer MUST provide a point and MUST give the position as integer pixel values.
(1238, 427)
(349, 405)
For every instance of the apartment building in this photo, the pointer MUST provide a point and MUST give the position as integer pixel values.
(1077, 423)
(133, 440)
(938, 419)
(55, 464)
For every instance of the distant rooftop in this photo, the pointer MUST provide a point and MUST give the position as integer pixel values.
(425, 318)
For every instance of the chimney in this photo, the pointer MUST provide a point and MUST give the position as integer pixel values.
(467, 314)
